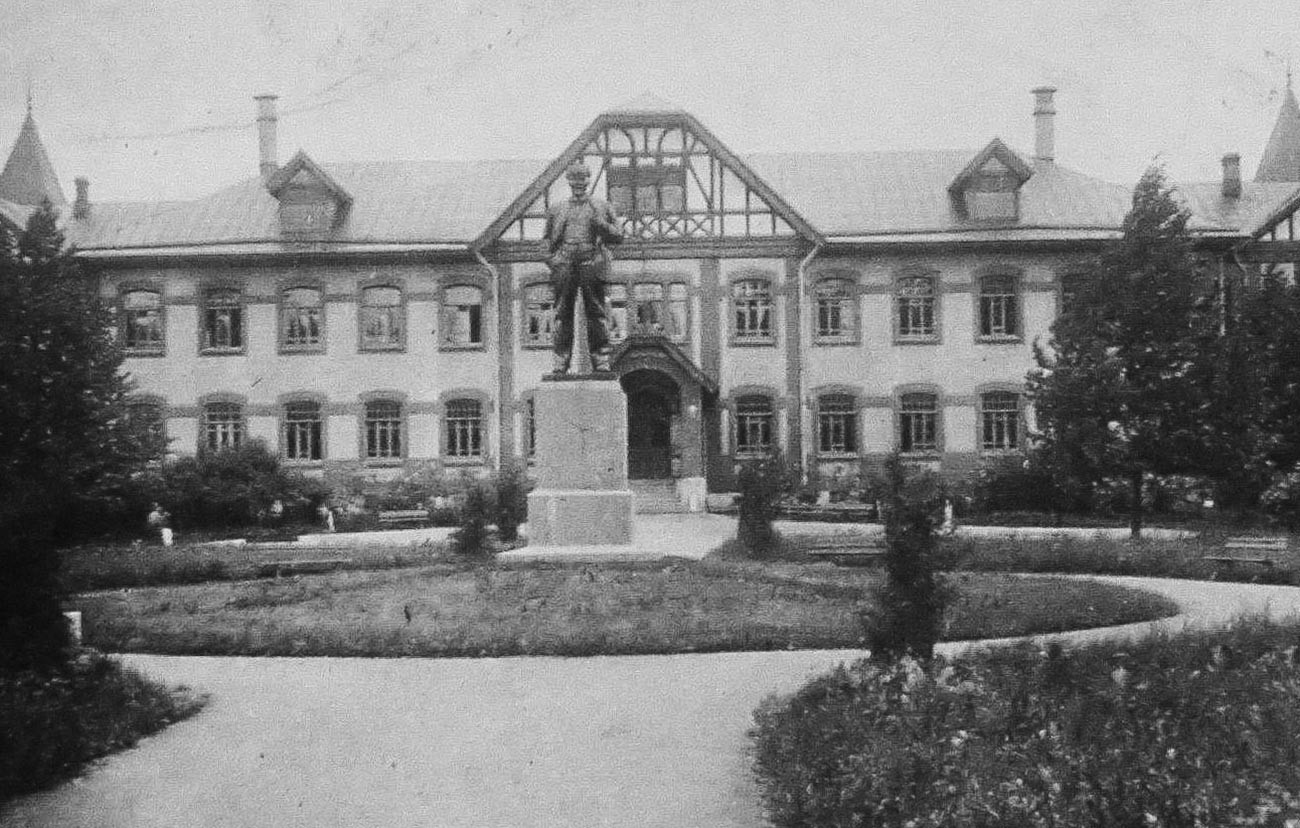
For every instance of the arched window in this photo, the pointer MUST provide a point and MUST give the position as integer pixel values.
(999, 421)
(999, 307)
(752, 304)
(918, 423)
(383, 430)
(382, 318)
(464, 422)
(837, 424)
(836, 311)
(301, 435)
(915, 304)
(223, 321)
(754, 418)
(223, 425)
(539, 315)
(142, 321)
(462, 316)
(301, 319)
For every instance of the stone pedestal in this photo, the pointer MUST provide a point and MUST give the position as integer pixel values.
(580, 432)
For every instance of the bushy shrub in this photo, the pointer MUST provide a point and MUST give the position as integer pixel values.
(906, 617)
(512, 487)
(1015, 489)
(1194, 731)
(472, 537)
(1281, 500)
(762, 483)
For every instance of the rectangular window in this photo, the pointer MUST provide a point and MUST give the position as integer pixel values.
(616, 295)
(223, 425)
(835, 310)
(383, 430)
(999, 421)
(463, 316)
(753, 426)
(464, 429)
(918, 423)
(539, 315)
(223, 322)
(142, 321)
(752, 301)
(648, 298)
(999, 307)
(837, 425)
(915, 302)
(301, 315)
(381, 318)
(302, 431)
(678, 318)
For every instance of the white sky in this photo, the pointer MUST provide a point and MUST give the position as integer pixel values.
(153, 98)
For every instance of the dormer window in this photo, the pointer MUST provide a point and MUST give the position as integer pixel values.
(312, 204)
(988, 189)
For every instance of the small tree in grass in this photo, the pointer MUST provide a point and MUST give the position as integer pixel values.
(762, 484)
(512, 487)
(907, 616)
(472, 538)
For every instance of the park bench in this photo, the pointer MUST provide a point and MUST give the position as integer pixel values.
(1245, 550)
(844, 553)
(280, 569)
(404, 516)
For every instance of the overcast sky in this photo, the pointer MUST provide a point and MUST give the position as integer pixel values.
(153, 99)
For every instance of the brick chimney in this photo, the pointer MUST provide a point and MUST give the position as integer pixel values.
(1044, 124)
(1232, 175)
(267, 120)
(81, 207)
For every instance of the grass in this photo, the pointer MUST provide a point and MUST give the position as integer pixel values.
(1198, 729)
(53, 725)
(481, 609)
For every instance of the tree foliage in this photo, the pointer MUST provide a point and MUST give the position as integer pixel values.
(67, 441)
(1120, 390)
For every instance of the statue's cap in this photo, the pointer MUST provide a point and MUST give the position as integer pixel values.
(577, 171)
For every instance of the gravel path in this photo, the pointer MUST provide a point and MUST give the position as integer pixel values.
(518, 742)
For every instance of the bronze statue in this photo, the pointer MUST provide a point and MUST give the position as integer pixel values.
(579, 233)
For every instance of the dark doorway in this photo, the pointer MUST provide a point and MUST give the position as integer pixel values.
(652, 400)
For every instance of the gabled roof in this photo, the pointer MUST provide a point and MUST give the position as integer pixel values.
(1281, 159)
(577, 149)
(302, 163)
(659, 346)
(995, 149)
(28, 176)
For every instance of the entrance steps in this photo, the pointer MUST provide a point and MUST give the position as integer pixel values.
(655, 497)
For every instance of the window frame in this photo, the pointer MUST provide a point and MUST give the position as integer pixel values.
(1017, 421)
(546, 319)
(395, 343)
(478, 426)
(901, 413)
(150, 349)
(398, 425)
(739, 416)
(238, 425)
(739, 335)
(286, 426)
(849, 334)
(239, 303)
(902, 334)
(849, 409)
(155, 423)
(1014, 293)
(284, 308)
(445, 323)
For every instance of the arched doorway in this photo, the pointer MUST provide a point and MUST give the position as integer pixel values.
(653, 399)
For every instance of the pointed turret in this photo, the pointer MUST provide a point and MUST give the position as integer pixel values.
(28, 177)
(1281, 161)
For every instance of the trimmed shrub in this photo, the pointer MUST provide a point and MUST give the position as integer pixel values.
(472, 538)
(762, 483)
(1193, 731)
(512, 488)
(906, 617)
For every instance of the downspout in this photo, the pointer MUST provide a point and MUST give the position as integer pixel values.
(805, 345)
(496, 304)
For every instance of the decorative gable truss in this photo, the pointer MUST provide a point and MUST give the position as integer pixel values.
(312, 204)
(988, 188)
(667, 177)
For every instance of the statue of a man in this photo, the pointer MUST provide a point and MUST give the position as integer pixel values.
(579, 233)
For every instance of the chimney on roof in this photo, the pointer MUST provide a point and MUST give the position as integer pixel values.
(267, 120)
(1044, 124)
(1232, 175)
(81, 207)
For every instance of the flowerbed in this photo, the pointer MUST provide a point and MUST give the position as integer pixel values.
(1192, 731)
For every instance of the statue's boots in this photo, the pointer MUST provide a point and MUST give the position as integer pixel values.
(559, 363)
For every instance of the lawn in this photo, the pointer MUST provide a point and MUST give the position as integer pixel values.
(541, 609)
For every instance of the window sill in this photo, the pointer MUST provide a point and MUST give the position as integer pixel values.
(1001, 452)
(837, 456)
(536, 346)
(468, 346)
(833, 341)
(133, 353)
(312, 350)
(221, 352)
(927, 454)
(381, 349)
(1009, 339)
(302, 464)
(917, 340)
(753, 342)
(463, 461)
(384, 462)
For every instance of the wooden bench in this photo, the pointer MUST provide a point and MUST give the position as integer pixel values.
(847, 554)
(404, 516)
(279, 569)
(1238, 551)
